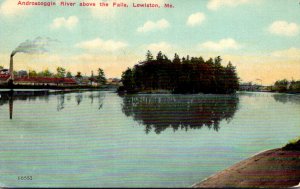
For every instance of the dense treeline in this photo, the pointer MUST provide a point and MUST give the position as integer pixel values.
(181, 75)
(287, 86)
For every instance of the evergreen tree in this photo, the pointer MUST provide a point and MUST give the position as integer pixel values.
(159, 56)
(231, 78)
(101, 77)
(149, 56)
(69, 75)
(128, 79)
(176, 59)
(78, 75)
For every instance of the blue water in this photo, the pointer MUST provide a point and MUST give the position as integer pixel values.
(100, 139)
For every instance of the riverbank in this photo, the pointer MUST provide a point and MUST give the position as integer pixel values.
(277, 168)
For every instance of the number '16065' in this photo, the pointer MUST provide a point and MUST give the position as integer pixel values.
(25, 178)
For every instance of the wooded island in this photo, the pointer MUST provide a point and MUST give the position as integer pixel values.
(180, 75)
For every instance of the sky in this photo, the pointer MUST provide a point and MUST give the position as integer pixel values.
(260, 37)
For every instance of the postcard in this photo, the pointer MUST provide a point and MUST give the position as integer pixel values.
(149, 93)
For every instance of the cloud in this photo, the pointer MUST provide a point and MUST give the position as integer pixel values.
(284, 28)
(221, 45)
(152, 26)
(99, 44)
(291, 53)
(11, 8)
(195, 19)
(216, 4)
(162, 46)
(61, 22)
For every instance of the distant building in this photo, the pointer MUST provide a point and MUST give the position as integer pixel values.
(82, 80)
(4, 76)
(249, 87)
(94, 82)
(4, 71)
(22, 73)
(113, 81)
(45, 81)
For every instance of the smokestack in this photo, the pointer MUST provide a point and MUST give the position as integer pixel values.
(11, 66)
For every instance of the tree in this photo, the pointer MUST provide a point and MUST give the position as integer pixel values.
(1, 67)
(218, 61)
(159, 56)
(176, 59)
(78, 78)
(281, 85)
(47, 73)
(101, 77)
(231, 79)
(78, 75)
(165, 57)
(32, 73)
(128, 79)
(69, 75)
(149, 56)
(295, 86)
(61, 72)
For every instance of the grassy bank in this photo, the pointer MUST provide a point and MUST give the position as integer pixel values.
(293, 145)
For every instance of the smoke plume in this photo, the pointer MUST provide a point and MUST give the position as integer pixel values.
(36, 46)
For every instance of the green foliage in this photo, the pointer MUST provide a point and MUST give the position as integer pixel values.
(186, 75)
(159, 56)
(79, 76)
(69, 75)
(281, 85)
(1, 67)
(45, 73)
(287, 86)
(293, 145)
(128, 79)
(32, 73)
(295, 86)
(149, 56)
(101, 77)
(61, 72)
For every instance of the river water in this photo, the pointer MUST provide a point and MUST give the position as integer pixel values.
(100, 139)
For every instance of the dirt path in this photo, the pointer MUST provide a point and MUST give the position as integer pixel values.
(271, 169)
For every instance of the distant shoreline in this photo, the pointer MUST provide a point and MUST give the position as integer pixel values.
(59, 87)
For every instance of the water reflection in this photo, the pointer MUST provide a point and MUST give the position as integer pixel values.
(284, 98)
(78, 98)
(159, 112)
(60, 102)
(8, 97)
